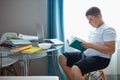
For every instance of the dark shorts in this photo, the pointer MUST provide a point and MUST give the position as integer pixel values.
(86, 64)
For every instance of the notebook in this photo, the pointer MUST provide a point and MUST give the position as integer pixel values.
(21, 48)
(55, 42)
(20, 42)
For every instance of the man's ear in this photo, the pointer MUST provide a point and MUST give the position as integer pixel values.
(99, 16)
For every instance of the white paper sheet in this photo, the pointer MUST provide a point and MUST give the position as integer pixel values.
(27, 37)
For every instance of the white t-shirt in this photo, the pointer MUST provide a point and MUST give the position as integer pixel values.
(102, 34)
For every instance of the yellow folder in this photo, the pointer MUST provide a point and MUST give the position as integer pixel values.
(32, 50)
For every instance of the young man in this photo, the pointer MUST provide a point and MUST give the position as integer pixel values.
(99, 49)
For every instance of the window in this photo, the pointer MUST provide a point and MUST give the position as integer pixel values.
(76, 24)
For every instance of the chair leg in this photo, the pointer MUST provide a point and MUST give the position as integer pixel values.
(14, 70)
(91, 76)
(102, 75)
(87, 76)
(3, 71)
(9, 69)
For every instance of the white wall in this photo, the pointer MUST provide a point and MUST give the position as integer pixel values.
(20, 16)
(118, 57)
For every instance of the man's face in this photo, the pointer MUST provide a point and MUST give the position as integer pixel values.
(94, 20)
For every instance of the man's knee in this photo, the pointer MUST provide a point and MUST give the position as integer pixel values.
(75, 70)
(62, 59)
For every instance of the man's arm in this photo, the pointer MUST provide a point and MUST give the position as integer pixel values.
(107, 48)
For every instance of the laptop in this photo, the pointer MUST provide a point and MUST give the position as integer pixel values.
(41, 39)
(40, 33)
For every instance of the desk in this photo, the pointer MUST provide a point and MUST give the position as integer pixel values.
(5, 52)
(29, 78)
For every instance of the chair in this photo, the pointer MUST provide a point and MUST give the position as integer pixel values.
(7, 64)
(95, 75)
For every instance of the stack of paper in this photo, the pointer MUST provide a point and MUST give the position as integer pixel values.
(28, 37)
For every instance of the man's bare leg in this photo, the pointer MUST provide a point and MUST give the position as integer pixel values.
(76, 72)
(66, 69)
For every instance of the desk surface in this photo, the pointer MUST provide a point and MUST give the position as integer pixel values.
(29, 78)
(6, 52)
(26, 56)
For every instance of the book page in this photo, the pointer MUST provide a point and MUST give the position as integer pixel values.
(79, 39)
(76, 38)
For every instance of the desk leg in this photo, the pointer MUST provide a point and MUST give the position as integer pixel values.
(0, 60)
(55, 63)
(26, 64)
(0, 64)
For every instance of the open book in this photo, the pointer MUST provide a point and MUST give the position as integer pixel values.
(77, 44)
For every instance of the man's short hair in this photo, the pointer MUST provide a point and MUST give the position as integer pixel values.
(94, 11)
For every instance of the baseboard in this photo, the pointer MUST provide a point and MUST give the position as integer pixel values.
(113, 77)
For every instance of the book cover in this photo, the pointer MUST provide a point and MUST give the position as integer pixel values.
(77, 44)
(32, 50)
(20, 48)
(20, 42)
